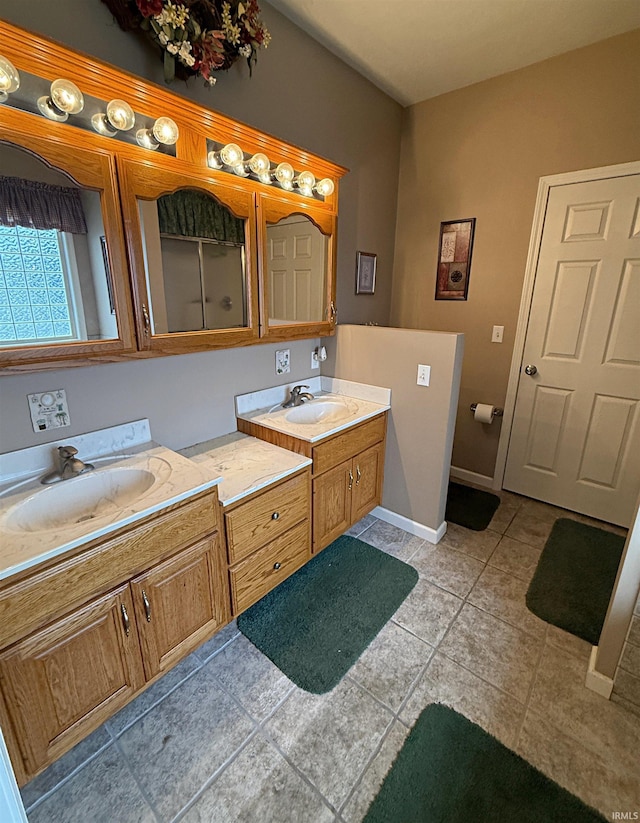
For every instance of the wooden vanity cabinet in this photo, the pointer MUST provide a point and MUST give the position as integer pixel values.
(268, 538)
(348, 471)
(149, 596)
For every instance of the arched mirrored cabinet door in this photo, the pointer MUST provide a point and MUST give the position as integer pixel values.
(297, 248)
(64, 284)
(191, 244)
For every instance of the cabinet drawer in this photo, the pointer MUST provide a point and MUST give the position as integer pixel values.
(259, 521)
(256, 575)
(346, 445)
(34, 601)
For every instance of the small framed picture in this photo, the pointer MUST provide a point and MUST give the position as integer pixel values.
(365, 272)
(454, 259)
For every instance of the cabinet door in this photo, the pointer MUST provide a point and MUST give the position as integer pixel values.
(332, 504)
(367, 486)
(179, 603)
(66, 679)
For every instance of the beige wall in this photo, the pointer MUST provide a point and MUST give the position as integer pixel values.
(421, 421)
(479, 152)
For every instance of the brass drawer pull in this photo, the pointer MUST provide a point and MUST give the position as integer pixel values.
(147, 321)
(125, 619)
(358, 475)
(147, 606)
(350, 480)
(276, 566)
(275, 516)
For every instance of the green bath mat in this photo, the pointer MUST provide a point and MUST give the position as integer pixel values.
(471, 508)
(574, 579)
(451, 771)
(316, 624)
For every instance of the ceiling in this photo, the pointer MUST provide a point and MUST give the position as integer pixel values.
(416, 49)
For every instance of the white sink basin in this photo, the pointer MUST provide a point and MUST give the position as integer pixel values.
(317, 411)
(82, 498)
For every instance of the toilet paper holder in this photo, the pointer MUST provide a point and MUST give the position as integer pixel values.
(496, 412)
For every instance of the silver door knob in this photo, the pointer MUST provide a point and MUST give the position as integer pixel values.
(530, 370)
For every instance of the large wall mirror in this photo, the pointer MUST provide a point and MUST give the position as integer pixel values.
(191, 244)
(297, 265)
(297, 256)
(195, 263)
(55, 278)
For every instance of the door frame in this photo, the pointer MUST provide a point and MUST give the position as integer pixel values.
(545, 185)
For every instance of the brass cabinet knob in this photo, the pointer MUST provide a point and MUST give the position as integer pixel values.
(275, 515)
(276, 566)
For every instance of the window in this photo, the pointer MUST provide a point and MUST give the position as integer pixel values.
(36, 296)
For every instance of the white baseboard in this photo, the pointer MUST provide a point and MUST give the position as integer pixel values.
(599, 683)
(411, 526)
(472, 477)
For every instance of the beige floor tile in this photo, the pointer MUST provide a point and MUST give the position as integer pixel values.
(499, 653)
(356, 806)
(516, 558)
(630, 660)
(259, 785)
(446, 682)
(531, 527)
(389, 666)
(428, 611)
(330, 737)
(450, 569)
(560, 639)
(585, 773)
(559, 695)
(476, 544)
(627, 687)
(510, 505)
(503, 595)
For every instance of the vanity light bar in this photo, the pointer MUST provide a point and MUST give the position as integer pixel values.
(230, 158)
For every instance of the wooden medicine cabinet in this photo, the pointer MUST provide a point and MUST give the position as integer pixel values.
(172, 254)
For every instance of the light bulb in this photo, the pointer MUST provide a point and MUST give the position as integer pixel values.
(9, 79)
(67, 96)
(284, 174)
(145, 138)
(240, 170)
(325, 187)
(165, 131)
(265, 177)
(120, 115)
(259, 163)
(231, 154)
(305, 180)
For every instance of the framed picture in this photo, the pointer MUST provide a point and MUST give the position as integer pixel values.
(365, 272)
(107, 271)
(454, 259)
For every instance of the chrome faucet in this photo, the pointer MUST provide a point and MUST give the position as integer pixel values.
(70, 466)
(297, 397)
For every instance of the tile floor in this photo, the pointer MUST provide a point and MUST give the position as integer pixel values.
(225, 736)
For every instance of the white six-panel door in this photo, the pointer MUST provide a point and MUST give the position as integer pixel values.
(575, 439)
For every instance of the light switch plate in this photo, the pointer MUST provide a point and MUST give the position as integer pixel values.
(283, 361)
(49, 410)
(497, 334)
(424, 375)
(315, 363)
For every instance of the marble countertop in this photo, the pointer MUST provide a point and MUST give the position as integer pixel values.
(245, 463)
(356, 410)
(24, 543)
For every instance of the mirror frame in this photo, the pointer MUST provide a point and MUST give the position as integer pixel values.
(272, 209)
(94, 169)
(148, 182)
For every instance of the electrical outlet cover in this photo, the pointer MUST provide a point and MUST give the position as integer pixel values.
(283, 361)
(49, 410)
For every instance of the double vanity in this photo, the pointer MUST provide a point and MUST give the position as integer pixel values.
(108, 579)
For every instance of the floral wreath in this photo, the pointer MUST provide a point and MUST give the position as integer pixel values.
(197, 37)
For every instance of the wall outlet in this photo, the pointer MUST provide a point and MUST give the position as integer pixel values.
(424, 375)
(283, 361)
(49, 410)
(497, 334)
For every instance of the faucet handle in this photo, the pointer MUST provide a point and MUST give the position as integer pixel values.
(66, 452)
(298, 388)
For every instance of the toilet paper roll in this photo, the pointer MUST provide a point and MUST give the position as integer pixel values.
(483, 413)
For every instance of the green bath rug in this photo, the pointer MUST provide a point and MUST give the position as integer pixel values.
(451, 771)
(471, 508)
(572, 584)
(316, 624)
